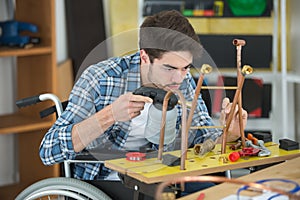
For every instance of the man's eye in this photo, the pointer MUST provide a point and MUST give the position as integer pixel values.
(186, 68)
(168, 68)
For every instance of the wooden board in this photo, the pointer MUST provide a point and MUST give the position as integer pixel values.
(289, 170)
(153, 171)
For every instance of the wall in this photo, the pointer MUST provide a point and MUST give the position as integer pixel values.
(124, 35)
(61, 36)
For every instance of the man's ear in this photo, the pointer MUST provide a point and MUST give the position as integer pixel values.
(144, 57)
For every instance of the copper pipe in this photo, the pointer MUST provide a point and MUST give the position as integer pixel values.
(241, 121)
(205, 127)
(219, 179)
(246, 70)
(184, 135)
(163, 124)
(218, 87)
(189, 103)
(239, 43)
(205, 69)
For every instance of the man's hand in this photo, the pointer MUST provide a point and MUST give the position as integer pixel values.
(128, 106)
(234, 128)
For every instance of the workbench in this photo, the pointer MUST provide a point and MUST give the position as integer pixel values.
(287, 170)
(151, 171)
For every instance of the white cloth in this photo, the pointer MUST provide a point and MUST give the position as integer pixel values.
(136, 137)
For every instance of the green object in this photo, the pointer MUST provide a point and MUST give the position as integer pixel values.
(247, 7)
(187, 13)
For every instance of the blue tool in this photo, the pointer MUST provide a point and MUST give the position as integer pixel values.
(10, 33)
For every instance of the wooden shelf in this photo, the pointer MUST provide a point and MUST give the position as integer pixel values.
(14, 51)
(251, 25)
(18, 123)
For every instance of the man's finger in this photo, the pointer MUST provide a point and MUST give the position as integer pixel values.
(225, 102)
(136, 105)
(141, 98)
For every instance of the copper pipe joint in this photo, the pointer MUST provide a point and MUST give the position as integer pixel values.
(238, 42)
(206, 69)
(247, 69)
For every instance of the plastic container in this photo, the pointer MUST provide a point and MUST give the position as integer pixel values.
(247, 7)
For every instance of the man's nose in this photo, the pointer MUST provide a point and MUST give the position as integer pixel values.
(178, 76)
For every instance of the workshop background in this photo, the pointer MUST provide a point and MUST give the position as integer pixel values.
(82, 25)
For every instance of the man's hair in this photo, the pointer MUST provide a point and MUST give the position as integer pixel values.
(168, 31)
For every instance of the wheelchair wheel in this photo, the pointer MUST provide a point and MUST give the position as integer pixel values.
(60, 187)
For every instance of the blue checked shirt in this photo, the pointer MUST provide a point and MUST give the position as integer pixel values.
(100, 85)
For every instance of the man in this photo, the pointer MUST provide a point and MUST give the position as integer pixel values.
(103, 110)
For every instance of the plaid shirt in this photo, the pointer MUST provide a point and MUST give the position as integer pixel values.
(100, 85)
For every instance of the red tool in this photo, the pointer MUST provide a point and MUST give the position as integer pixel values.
(247, 151)
(234, 156)
(252, 138)
(135, 156)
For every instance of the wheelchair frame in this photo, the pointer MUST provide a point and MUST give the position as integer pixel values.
(62, 186)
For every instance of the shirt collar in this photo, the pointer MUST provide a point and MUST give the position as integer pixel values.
(134, 72)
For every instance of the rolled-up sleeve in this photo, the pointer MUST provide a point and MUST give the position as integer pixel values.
(57, 145)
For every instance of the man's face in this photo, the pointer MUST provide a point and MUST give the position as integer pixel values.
(169, 71)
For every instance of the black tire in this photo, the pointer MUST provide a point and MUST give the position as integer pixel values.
(66, 187)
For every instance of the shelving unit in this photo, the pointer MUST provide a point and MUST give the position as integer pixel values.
(36, 73)
(261, 25)
(243, 26)
(289, 74)
(282, 75)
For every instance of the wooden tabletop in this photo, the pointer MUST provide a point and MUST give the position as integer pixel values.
(151, 170)
(289, 170)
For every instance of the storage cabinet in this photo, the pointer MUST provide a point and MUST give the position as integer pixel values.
(282, 75)
(36, 74)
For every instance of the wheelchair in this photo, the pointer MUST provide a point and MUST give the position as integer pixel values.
(67, 187)
(58, 187)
